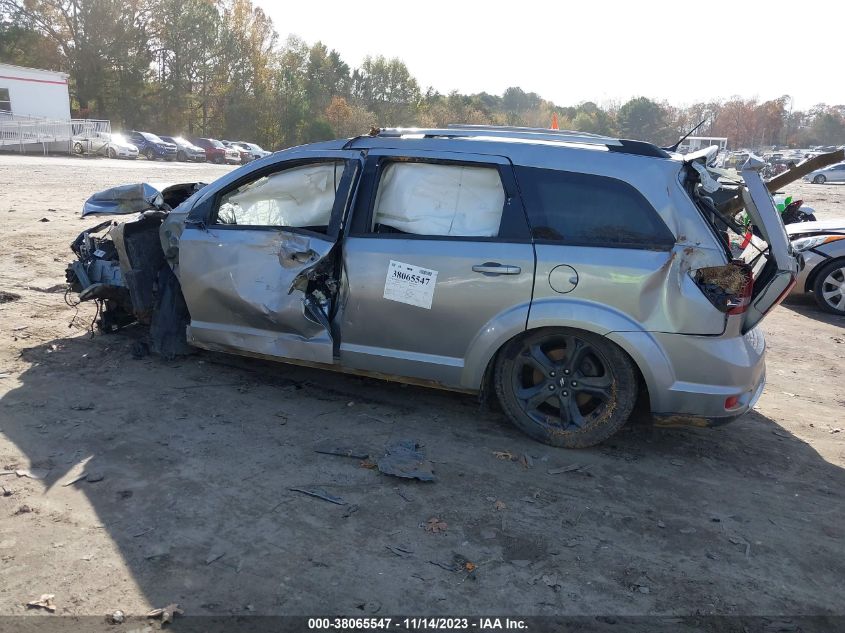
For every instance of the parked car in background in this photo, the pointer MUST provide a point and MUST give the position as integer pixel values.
(216, 152)
(834, 173)
(570, 274)
(185, 150)
(822, 245)
(113, 145)
(254, 150)
(244, 154)
(151, 146)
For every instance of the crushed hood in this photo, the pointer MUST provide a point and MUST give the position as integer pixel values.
(139, 197)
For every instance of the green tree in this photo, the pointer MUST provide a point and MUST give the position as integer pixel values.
(643, 119)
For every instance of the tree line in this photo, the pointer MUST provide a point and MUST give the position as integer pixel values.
(218, 68)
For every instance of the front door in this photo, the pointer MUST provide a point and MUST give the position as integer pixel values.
(256, 258)
(437, 254)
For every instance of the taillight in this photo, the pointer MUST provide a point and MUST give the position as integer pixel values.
(740, 303)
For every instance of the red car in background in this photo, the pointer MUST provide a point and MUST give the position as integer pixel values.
(216, 152)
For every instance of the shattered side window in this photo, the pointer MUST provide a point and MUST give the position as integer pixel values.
(300, 197)
(590, 210)
(439, 200)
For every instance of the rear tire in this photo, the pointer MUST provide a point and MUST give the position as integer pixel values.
(819, 180)
(78, 149)
(182, 157)
(565, 387)
(112, 153)
(150, 154)
(829, 287)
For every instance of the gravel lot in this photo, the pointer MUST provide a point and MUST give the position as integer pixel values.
(197, 457)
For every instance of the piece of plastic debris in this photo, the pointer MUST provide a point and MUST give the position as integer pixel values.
(166, 613)
(319, 493)
(213, 556)
(499, 505)
(44, 602)
(526, 460)
(350, 510)
(405, 458)
(116, 617)
(435, 525)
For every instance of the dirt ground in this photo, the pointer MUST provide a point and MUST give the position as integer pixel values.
(197, 457)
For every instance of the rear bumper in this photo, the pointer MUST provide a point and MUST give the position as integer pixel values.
(691, 378)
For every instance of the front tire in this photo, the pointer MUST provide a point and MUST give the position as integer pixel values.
(182, 157)
(112, 153)
(829, 287)
(78, 149)
(565, 387)
(150, 154)
(819, 180)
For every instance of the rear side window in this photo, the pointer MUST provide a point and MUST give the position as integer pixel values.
(584, 209)
(441, 200)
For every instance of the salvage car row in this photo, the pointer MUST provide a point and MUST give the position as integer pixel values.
(154, 147)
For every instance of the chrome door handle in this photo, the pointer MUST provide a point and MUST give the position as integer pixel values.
(493, 268)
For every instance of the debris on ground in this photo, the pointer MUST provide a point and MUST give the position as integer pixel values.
(166, 613)
(401, 552)
(92, 477)
(116, 617)
(402, 458)
(524, 458)
(24, 509)
(8, 297)
(350, 510)
(44, 602)
(213, 556)
(435, 525)
(459, 563)
(499, 505)
(405, 458)
(319, 493)
(32, 473)
(572, 468)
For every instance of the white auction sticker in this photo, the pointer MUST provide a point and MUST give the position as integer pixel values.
(410, 284)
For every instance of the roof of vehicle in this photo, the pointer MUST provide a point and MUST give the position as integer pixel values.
(491, 134)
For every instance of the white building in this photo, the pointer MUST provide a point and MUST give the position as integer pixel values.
(31, 92)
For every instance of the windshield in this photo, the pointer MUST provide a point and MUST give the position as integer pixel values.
(152, 138)
(118, 138)
(216, 143)
(180, 141)
(255, 147)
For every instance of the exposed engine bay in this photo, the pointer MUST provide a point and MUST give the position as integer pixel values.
(122, 268)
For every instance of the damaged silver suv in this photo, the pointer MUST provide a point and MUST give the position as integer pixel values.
(571, 274)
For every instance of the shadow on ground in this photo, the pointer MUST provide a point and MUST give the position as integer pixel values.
(197, 458)
(806, 306)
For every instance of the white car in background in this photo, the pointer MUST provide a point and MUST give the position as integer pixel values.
(834, 173)
(255, 151)
(108, 144)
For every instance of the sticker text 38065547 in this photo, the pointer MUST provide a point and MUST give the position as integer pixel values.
(410, 284)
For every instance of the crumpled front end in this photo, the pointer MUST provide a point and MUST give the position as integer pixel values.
(122, 268)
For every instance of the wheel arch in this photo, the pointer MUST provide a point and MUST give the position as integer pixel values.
(647, 356)
(814, 274)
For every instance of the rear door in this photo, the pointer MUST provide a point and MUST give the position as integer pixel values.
(438, 252)
(256, 258)
(775, 271)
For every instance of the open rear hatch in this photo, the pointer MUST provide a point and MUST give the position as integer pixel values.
(753, 283)
(774, 266)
